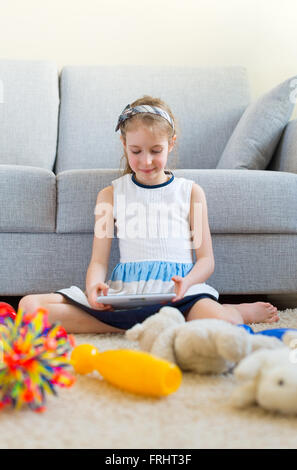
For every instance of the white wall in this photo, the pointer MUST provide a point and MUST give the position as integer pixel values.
(258, 34)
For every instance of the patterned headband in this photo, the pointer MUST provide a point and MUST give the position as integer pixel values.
(129, 112)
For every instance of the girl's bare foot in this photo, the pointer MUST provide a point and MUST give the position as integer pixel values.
(257, 312)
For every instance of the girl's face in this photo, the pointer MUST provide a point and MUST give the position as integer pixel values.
(147, 154)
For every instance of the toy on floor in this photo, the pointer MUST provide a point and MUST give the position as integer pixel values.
(133, 371)
(6, 310)
(269, 379)
(33, 358)
(206, 346)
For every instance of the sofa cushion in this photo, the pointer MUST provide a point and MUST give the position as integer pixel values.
(256, 136)
(250, 201)
(238, 201)
(285, 155)
(28, 199)
(76, 198)
(207, 102)
(29, 106)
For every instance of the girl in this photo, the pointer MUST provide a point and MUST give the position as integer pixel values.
(151, 260)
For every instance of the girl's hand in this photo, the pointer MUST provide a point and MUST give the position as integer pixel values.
(99, 289)
(180, 288)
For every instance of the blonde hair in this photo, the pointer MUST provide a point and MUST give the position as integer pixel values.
(153, 122)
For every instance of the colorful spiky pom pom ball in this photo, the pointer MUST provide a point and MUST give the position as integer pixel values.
(33, 359)
(6, 310)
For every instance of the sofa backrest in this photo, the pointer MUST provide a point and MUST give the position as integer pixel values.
(207, 102)
(29, 107)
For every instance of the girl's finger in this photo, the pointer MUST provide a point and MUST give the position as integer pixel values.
(104, 306)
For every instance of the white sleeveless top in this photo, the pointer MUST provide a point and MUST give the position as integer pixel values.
(153, 228)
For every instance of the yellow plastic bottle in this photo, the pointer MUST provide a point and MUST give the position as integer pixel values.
(134, 371)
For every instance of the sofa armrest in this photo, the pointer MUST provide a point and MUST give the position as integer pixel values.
(285, 155)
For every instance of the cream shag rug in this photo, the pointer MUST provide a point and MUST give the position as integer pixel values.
(93, 414)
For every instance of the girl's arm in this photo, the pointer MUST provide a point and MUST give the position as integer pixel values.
(103, 234)
(201, 239)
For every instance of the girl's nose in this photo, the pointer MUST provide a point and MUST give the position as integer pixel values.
(148, 159)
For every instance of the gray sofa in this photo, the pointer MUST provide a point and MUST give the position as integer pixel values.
(58, 148)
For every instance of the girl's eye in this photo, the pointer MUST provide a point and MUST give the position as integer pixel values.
(154, 151)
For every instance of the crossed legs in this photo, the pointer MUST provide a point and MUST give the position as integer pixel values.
(76, 320)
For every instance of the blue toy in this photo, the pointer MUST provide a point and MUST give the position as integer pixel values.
(277, 332)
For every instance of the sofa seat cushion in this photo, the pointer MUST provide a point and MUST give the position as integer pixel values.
(28, 199)
(239, 201)
(256, 201)
(76, 198)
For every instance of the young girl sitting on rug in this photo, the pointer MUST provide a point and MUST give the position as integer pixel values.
(155, 256)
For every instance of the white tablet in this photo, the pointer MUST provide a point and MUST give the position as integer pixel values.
(137, 300)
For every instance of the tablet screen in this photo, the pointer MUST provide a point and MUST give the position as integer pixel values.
(135, 300)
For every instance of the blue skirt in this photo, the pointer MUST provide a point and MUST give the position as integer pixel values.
(125, 319)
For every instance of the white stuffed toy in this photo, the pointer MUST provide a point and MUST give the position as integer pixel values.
(269, 379)
(206, 346)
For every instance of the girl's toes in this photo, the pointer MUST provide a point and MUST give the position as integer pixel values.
(271, 320)
(273, 309)
(270, 306)
(272, 317)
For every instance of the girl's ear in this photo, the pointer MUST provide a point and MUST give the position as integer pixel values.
(170, 147)
(123, 141)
